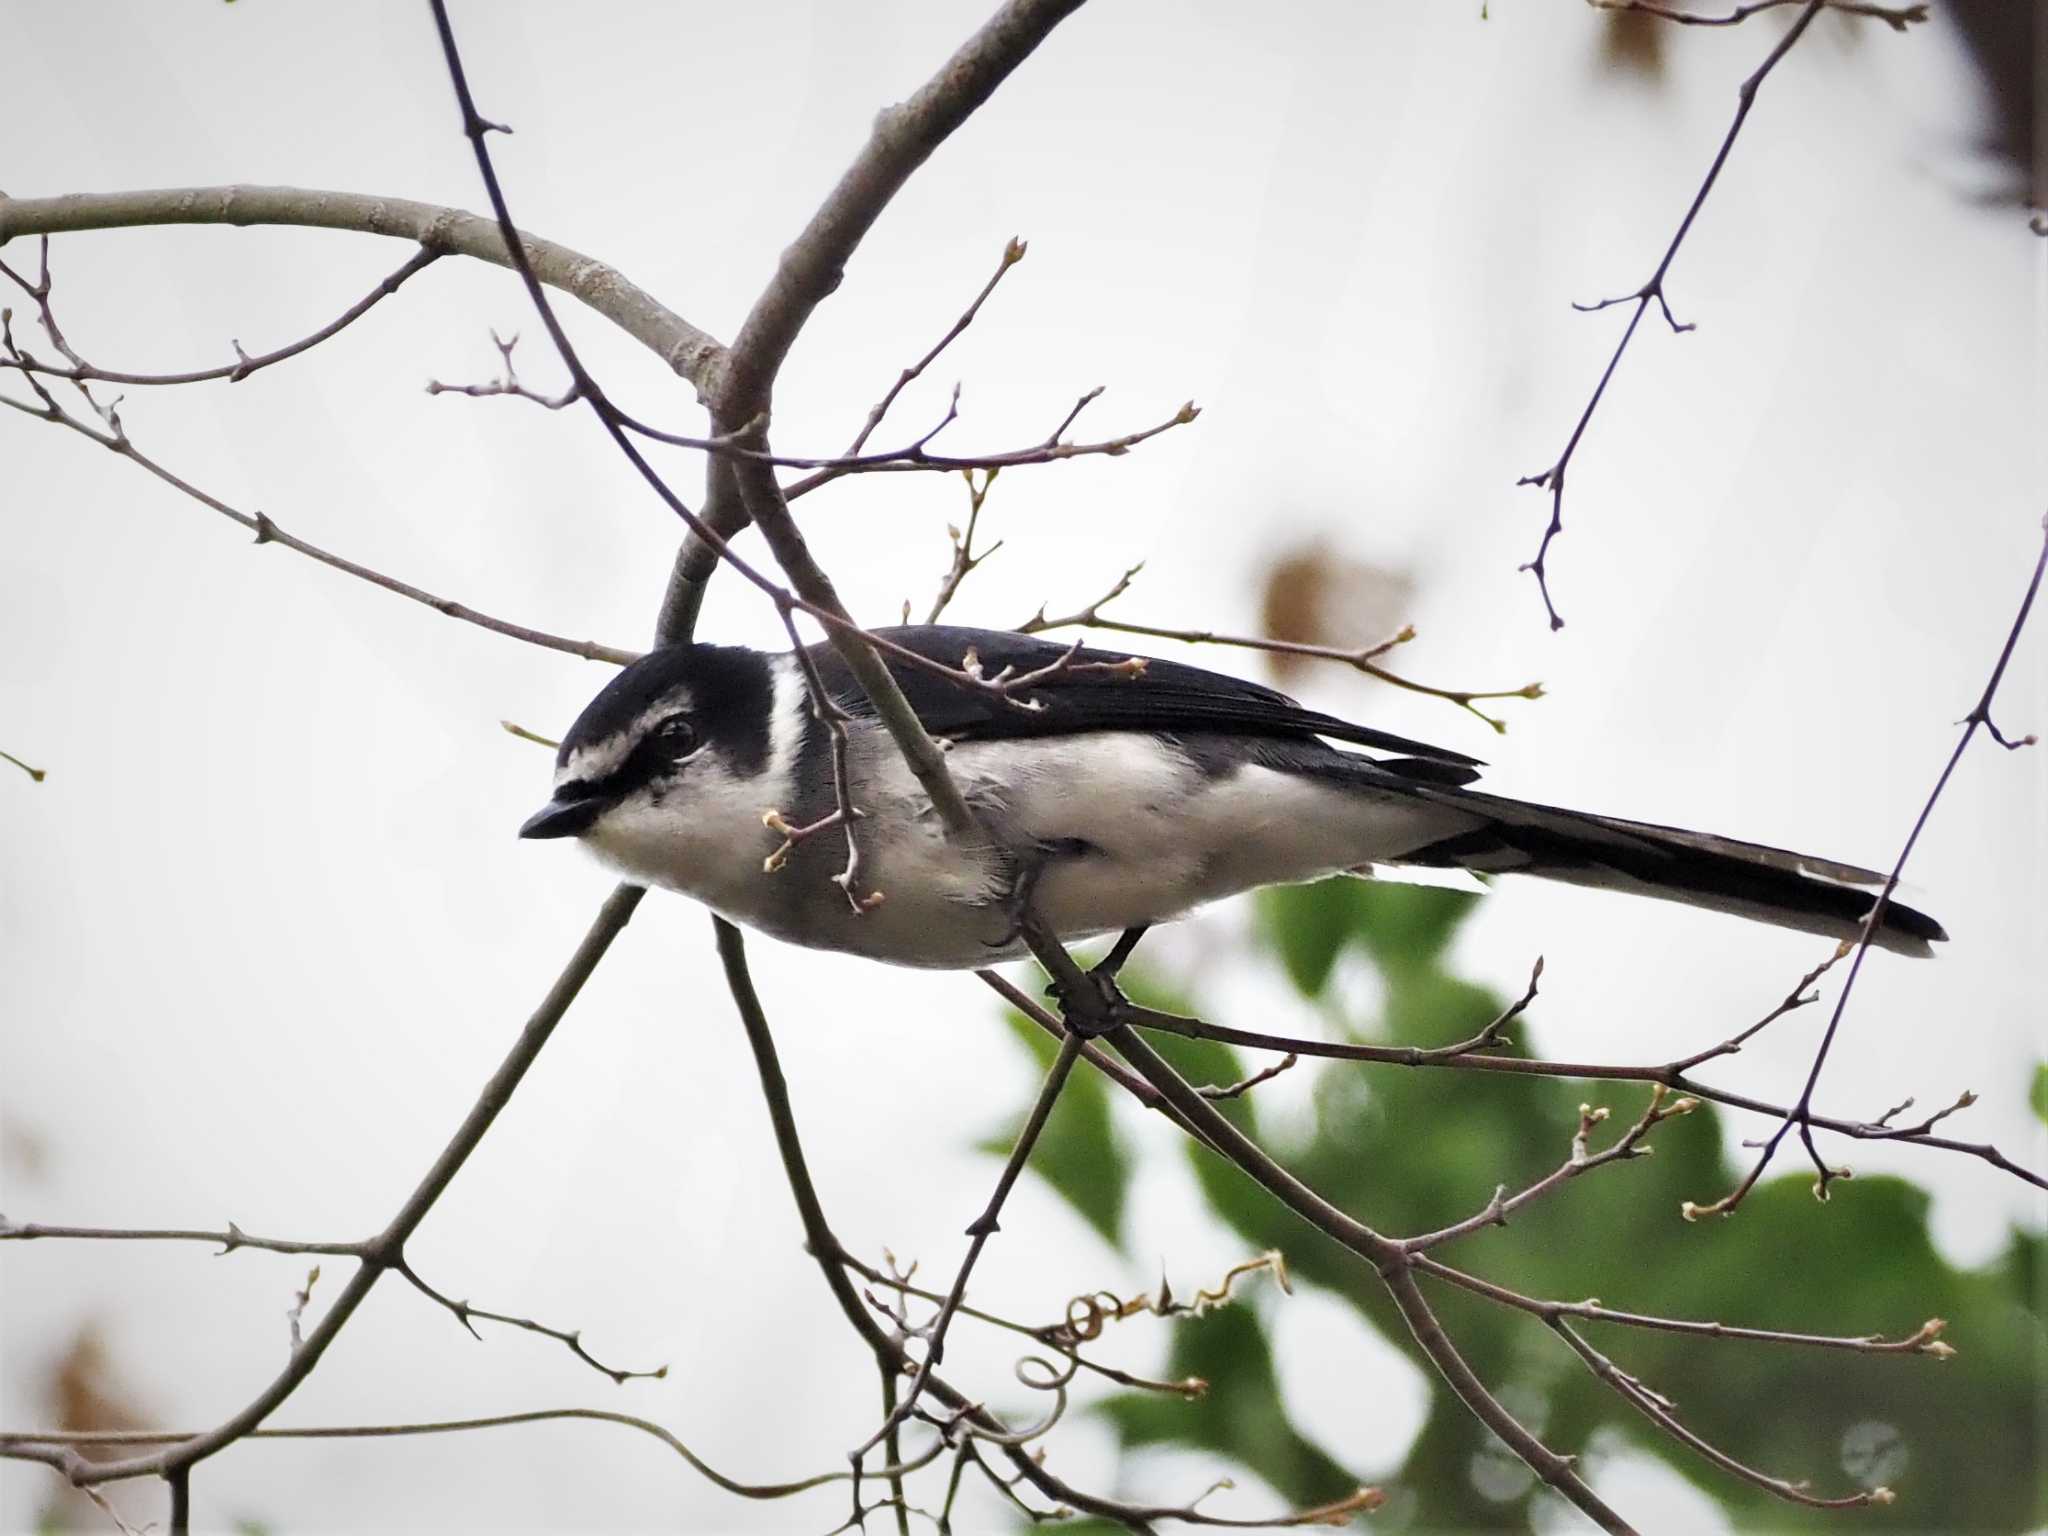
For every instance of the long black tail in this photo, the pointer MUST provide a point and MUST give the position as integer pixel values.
(1770, 885)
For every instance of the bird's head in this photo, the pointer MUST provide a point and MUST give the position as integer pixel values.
(677, 742)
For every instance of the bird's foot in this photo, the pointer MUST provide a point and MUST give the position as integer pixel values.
(1094, 1005)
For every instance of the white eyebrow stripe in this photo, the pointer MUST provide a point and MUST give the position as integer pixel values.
(597, 761)
(602, 758)
(788, 711)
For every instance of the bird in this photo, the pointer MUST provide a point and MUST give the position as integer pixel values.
(1109, 792)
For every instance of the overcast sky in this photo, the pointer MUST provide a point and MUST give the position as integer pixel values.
(265, 928)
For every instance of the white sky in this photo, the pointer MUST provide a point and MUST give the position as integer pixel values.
(265, 929)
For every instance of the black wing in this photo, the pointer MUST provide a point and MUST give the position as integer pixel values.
(1166, 696)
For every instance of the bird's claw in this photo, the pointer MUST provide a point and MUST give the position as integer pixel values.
(1096, 1007)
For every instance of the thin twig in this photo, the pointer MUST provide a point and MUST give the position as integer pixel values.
(690, 352)
(1013, 252)
(78, 369)
(1897, 17)
(1652, 291)
(1924, 1340)
(980, 1230)
(834, 1261)
(115, 439)
(1361, 658)
(1800, 1114)
(1581, 1160)
(1659, 1410)
(570, 1339)
(1463, 1056)
(965, 556)
(387, 1249)
(12, 1441)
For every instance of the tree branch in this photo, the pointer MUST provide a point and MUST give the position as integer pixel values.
(80, 371)
(387, 1249)
(1897, 17)
(1652, 291)
(904, 137)
(1979, 718)
(115, 439)
(691, 353)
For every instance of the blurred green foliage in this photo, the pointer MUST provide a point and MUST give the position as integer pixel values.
(1961, 1441)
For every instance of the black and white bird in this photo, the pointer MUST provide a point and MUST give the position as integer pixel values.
(1124, 797)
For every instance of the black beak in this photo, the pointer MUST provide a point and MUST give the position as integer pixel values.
(562, 818)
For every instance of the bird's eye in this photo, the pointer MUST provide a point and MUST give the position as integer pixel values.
(676, 733)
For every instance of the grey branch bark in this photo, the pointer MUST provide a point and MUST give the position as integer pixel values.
(904, 137)
(694, 354)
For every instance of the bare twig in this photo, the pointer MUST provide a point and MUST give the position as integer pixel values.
(917, 458)
(1802, 995)
(1924, 1340)
(1661, 1411)
(691, 352)
(1466, 1056)
(507, 382)
(301, 1299)
(113, 436)
(1013, 253)
(14, 1442)
(387, 1249)
(904, 136)
(570, 1339)
(834, 1263)
(79, 370)
(35, 774)
(510, 729)
(830, 715)
(980, 1230)
(1652, 291)
(1244, 1085)
(1392, 1264)
(229, 1240)
(364, 1250)
(1897, 17)
(965, 556)
(1581, 1160)
(1800, 1114)
(1361, 658)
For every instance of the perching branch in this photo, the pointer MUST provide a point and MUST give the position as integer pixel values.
(834, 1262)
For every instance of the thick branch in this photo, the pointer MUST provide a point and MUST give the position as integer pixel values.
(692, 353)
(904, 137)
